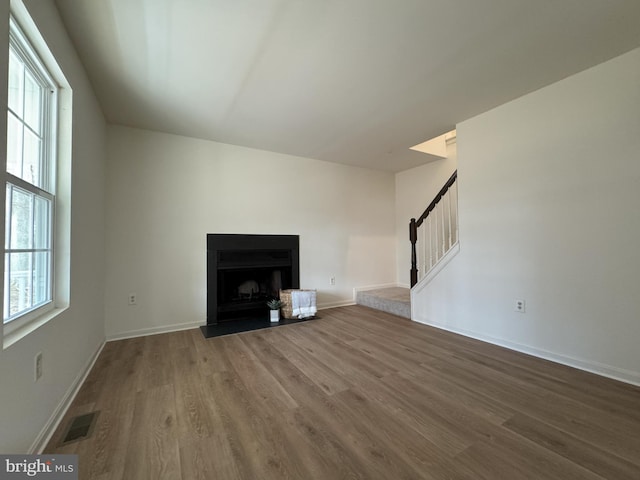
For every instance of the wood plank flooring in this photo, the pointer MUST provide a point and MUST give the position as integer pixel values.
(356, 394)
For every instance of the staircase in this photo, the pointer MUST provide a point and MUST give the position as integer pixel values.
(434, 236)
(434, 241)
(395, 300)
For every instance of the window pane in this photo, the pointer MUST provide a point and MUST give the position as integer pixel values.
(28, 281)
(7, 223)
(32, 102)
(20, 287)
(21, 219)
(14, 146)
(41, 235)
(7, 291)
(31, 162)
(16, 83)
(28, 273)
(41, 275)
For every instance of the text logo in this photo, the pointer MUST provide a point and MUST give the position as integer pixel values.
(51, 467)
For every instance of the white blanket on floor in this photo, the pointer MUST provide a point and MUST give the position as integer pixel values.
(303, 303)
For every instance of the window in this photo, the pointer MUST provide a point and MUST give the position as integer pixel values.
(30, 186)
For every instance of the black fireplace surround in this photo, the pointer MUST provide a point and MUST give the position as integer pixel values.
(245, 271)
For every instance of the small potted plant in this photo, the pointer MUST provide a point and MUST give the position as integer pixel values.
(274, 305)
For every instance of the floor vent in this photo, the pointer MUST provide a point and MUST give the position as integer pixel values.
(80, 427)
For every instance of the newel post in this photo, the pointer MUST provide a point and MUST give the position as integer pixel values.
(413, 237)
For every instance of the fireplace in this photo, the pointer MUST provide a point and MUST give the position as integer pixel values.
(245, 271)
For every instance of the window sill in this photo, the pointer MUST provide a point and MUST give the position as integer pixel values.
(14, 335)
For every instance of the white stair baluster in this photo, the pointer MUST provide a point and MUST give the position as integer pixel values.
(422, 250)
(437, 238)
(449, 217)
(455, 197)
(440, 218)
(430, 243)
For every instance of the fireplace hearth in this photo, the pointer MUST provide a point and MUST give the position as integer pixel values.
(245, 271)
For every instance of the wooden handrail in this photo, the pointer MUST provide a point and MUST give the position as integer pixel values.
(437, 198)
(414, 224)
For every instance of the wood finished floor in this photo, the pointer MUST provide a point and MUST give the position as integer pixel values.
(355, 394)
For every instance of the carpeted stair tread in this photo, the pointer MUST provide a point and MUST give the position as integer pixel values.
(395, 300)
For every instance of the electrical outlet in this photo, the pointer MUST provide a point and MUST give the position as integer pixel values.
(332, 281)
(37, 364)
(519, 305)
(133, 299)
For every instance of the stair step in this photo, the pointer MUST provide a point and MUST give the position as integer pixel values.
(395, 300)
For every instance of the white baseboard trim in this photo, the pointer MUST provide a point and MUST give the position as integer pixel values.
(143, 332)
(50, 427)
(615, 373)
(344, 303)
(373, 287)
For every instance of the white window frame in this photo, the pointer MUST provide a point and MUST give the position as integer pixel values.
(55, 186)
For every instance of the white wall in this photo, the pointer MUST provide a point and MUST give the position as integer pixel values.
(549, 191)
(415, 189)
(68, 342)
(166, 192)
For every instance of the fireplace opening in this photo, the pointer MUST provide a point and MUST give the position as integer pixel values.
(241, 291)
(245, 271)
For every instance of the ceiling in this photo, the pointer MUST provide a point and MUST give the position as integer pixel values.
(348, 81)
